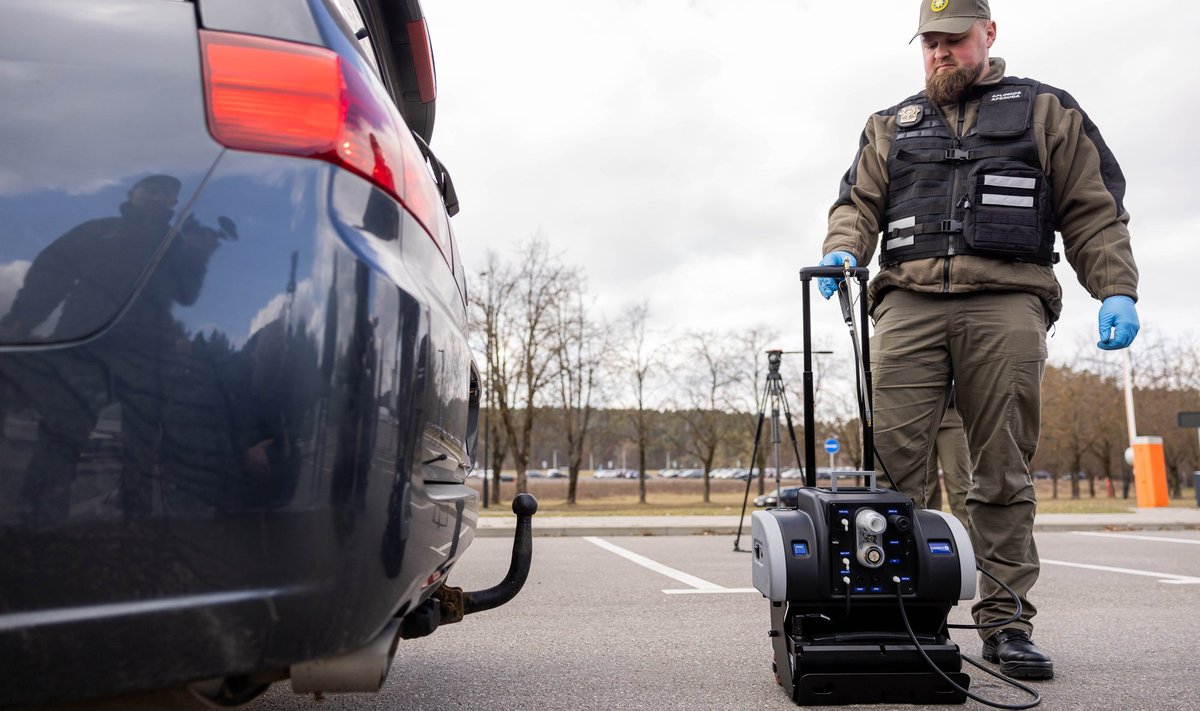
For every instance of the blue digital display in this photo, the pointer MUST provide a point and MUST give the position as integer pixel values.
(799, 548)
(940, 548)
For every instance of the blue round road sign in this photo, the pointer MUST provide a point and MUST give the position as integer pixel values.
(831, 445)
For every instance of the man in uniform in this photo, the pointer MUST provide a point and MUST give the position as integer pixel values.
(962, 188)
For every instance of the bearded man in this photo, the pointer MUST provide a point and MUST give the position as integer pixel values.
(962, 187)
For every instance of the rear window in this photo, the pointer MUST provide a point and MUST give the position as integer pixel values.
(352, 16)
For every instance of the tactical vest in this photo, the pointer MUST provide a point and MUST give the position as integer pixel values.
(984, 194)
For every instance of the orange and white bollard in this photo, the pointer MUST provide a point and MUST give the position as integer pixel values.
(1150, 472)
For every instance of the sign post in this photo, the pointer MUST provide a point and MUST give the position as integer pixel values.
(1192, 419)
(832, 446)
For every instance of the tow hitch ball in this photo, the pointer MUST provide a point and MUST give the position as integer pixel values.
(451, 604)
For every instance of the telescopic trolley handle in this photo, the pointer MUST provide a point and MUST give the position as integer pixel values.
(863, 371)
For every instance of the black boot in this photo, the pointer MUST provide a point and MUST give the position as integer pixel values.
(1017, 656)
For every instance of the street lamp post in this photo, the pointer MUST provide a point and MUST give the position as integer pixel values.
(487, 365)
(487, 435)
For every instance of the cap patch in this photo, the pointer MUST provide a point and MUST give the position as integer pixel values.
(939, 5)
(909, 115)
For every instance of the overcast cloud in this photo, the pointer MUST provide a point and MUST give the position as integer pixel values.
(687, 152)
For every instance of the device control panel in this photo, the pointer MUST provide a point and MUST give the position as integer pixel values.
(869, 545)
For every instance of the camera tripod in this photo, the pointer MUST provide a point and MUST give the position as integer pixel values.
(774, 394)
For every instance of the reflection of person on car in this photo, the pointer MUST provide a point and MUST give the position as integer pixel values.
(90, 271)
(72, 289)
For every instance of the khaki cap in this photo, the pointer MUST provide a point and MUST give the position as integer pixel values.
(951, 16)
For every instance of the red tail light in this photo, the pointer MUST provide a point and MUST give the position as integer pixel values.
(280, 97)
(418, 39)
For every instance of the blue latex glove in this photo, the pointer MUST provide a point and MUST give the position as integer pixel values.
(828, 285)
(1118, 317)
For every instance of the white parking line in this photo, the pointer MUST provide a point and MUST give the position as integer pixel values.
(719, 591)
(1169, 578)
(699, 586)
(1192, 541)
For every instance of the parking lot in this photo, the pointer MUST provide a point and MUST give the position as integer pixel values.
(672, 623)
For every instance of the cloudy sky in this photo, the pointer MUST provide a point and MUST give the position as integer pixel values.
(686, 152)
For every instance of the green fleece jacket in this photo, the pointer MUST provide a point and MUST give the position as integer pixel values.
(1087, 187)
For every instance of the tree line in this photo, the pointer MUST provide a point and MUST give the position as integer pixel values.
(566, 384)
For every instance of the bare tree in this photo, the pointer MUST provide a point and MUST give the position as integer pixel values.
(527, 295)
(709, 375)
(580, 344)
(637, 361)
(487, 301)
(1166, 379)
(1075, 438)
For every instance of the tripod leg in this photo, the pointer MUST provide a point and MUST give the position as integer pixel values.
(753, 457)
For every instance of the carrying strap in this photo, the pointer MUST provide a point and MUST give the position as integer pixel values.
(1025, 153)
(907, 227)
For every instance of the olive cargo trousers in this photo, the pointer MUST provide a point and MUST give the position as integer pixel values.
(949, 455)
(992, 347)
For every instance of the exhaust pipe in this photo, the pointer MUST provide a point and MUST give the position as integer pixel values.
(359, 670)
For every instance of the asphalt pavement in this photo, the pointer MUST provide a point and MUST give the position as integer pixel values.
(658, 613)
(670, 622)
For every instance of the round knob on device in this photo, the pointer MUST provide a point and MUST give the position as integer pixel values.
(871, 521)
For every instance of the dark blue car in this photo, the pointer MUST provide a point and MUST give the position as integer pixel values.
(237, 403)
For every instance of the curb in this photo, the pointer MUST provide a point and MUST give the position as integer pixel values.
(503, 528)
(564, 531)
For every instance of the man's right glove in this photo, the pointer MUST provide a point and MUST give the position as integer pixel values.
(828, 285)
(1118, 316)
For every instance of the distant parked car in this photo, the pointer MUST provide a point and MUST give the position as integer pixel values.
(772, 498)
(606, 474)
(554, 474)
(482, 473)
(691, 474)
